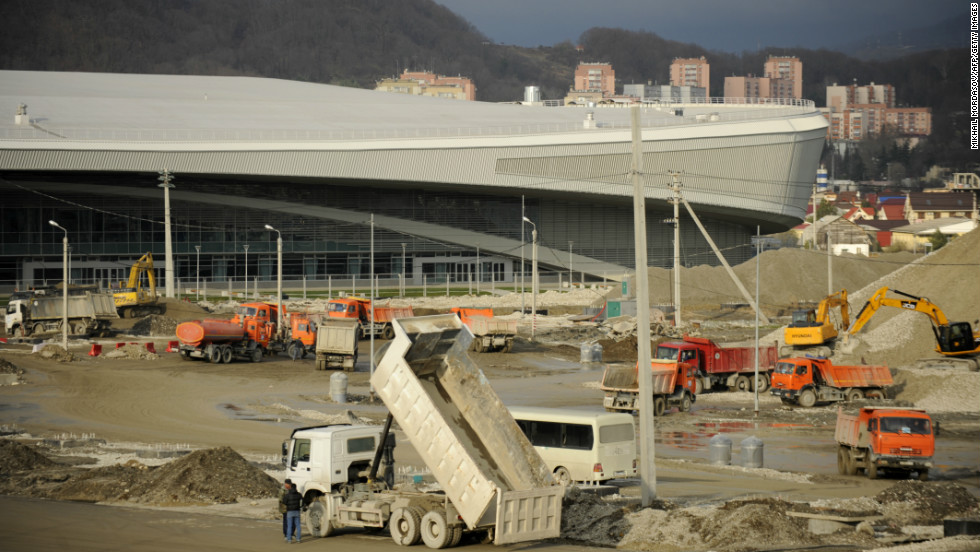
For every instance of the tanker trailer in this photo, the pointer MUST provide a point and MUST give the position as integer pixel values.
(217, 341)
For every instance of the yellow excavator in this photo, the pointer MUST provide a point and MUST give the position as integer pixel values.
(959, 342)
(814, 330)
(139, 297)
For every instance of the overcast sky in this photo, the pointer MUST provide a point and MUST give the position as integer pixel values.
(726, 25)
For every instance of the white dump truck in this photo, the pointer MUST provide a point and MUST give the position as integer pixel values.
(336, 343)
(491, 478)
(89, 313)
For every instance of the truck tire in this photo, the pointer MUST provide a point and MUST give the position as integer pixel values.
(508, 345)
(226, 355)
(743, 383)
(562, 476)
(686, 403)
(761, 384)
(435, 530)
(388, 332)
(37, 328)
(293, 350)
(318, 520)
(256, 355)
(807, 398)
(843, 459)
(854, 394)
(215, 356)
(924, 474)
(852, 467)
(404, 526)
(875, 394)
(659, 405)
(872, 468)
(457, 535)
(698, 385)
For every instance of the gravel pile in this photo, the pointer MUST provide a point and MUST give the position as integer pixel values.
(56, 352)
(16, 456)
(130, 351)
(155, 325)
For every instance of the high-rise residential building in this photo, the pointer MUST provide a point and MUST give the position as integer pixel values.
(840, 97)
(690, 72)
(747, 87)
(786, 77)
(665, 92)
(424, 83)
(595, 76)
(856, 111)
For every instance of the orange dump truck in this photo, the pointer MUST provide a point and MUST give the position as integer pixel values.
(374, 319)
(247, 336)
(673, 385)
(806, 381)
(489, 333)
(878, 439)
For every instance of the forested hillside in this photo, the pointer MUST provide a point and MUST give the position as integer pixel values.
(358, 42)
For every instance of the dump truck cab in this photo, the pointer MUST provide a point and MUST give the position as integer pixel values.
(883, 438)
(349, 307)
(794, 374)
(322, 459)
(260, 321)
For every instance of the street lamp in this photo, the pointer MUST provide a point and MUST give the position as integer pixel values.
(279, 274)
(165, 183)
(246, 271)
(534, 274)
(198, 272)
(64, 286)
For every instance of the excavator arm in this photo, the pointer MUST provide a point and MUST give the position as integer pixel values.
(913, 303)
(838, 299)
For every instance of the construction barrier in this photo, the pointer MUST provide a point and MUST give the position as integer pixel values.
(172, 347)
(96, 350)
(151, 348)
(120, 345)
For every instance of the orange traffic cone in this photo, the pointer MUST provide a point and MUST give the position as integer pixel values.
(96, 350)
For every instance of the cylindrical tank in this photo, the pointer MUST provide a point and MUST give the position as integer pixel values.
(720, 450)
(596, 352)
(752, 452)
(338, 387)
(532, 94)
(209, 330)
(585, 353)
(822, 178)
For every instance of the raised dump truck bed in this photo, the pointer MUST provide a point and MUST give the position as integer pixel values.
(464, 433)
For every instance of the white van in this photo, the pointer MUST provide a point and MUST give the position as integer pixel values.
(578, 445)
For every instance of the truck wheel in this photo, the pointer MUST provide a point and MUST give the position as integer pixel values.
(318, 520)
(924, 474)
(854, 395)
(852, 468)
(226, 355)
(698, 386)
(404, 526)
(659, 405)
(508, 345)
(435, 530)
(872, 468)
(843, 457)
(388, 332)
(256, 355)
(38, 328)
(293, 350)
(742, 383)
(562, 476)
(807, 398)
(215, 355)
(761, 383)
(875, 394)
(457, 535)
(686, 403)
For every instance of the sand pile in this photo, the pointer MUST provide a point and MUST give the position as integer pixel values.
(938, 390)
(130, 351)
(155, 325)
(16, 456)
(7, 367)
(917, 503)
(182, 311)
(587, 518)
(56, 352)
(212, 476)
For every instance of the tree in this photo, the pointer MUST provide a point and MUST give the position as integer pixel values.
(825, 208)
(938, 239)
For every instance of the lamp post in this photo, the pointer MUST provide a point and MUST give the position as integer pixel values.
(534, 274)
(246, 271)
(197, 272)
(404, 272)
(64, 286)
(571, 275)
(278, 275)
(165, 183)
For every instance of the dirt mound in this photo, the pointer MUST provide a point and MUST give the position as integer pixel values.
(100, 484)
(130, 351)
(937, 390)
(182, 311)
(56, 352)
(212, 476)
(749, 525)
(587, 518)
(7, 367)
(918, 503)
(155, 324)
(15, 457)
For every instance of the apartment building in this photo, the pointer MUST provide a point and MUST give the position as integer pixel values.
(424, 83)
(747, 87)
(665, 93)
(855, 111)
(694, 72)
(840, 97)
(595, 76)
(786, 77)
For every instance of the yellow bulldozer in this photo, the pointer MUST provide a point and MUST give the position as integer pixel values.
(814, 330)
(139, 297)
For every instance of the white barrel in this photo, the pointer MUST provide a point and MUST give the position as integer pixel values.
(720, 450)
(752, 452)
(338, 387)
(532, 94)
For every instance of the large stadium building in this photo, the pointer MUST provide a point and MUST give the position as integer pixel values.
(437, 189)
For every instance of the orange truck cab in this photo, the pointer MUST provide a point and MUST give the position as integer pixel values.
(879, 438)
(808, 380)
(260, 321)
(373, 319)
(673, 384)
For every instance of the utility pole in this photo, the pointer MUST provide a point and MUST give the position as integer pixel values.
(571, 277)
(675, 186)
(165, 183)
(648, 468)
